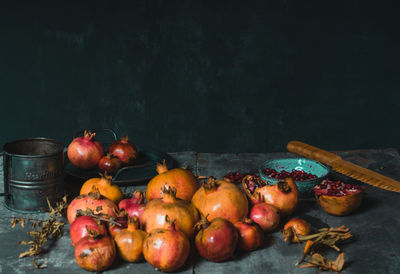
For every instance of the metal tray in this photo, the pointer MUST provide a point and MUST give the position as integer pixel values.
(140, 171)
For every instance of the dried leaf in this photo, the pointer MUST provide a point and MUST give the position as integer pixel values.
(14, 221)
(26, 243)
(22, 222)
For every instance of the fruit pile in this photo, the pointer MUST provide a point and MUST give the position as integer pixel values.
(297, 175)
(86, 153)
(216, 217)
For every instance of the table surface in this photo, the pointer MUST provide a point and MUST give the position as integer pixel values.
(376, 226)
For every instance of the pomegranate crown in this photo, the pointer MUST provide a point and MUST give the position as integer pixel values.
(105, 176)
(203, 223)
(89, 134)
(168, 190)
(212, 184)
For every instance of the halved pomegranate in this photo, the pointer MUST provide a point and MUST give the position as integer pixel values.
(338, 198)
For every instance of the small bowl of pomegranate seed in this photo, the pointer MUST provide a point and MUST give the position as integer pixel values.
(338, 198)
(305, 172)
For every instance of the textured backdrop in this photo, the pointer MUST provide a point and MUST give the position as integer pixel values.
(232, 76)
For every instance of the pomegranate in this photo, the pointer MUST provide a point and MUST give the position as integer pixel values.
(295, 227)
(251, 235)
(104, 186)
(284, 194)
(81, 226)
(183, 180)
(109, 164)
(184, 213)
(122, 220)
(84, 152)
(216, 241)
(95, 252)
(134, 206)
(124, 150)
(129, 241)
(338, 198)
(94, 202)
(166, 249)
(266, 216)
(218, 198)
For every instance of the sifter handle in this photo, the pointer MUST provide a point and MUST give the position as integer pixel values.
(312, 152)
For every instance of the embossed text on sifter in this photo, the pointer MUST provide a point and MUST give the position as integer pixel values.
(33, 171)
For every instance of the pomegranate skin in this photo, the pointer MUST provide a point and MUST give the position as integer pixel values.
(124, 150)
(79, 228)
(94, 202)
(95, 253)
(217, 241)
(166, 249)
(266, 216)
(84, 152)
(293, 227)
(134, 206)
(251, 235)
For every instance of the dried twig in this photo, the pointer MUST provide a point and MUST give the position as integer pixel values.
(46, 229)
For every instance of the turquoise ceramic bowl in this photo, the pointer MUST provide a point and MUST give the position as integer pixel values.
(288, 164)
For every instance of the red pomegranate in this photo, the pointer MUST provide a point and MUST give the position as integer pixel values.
(84, 152)
(251, 235)
(94, 202)
(95, 253)
(109, 164)
(81, 226)
(266, 216)
(284, 194)
(216, 241)
(181, 179)
(219, 198)
(124, 150)
(134, 206)
(166, 249)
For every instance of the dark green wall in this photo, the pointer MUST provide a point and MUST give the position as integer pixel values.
(210, 76)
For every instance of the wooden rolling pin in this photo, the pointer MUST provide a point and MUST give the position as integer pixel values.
(344, 167)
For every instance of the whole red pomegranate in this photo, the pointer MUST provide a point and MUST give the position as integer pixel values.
(219, 198)
(266, 216)
(284, 194)
(134, 206)
(251, 235)
(84, 152)
(95, 253)
(81, 226)
(181, 179)
(184, 213)
(216, 241)
(166, 249)
(129, 241)
(124, 150)
(93, 202)
(109, 164)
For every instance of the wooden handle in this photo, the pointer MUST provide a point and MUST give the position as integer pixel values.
(312, 152)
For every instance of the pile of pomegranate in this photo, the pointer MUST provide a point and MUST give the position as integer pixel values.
(297, 175)
(218, 218)
(86, 153)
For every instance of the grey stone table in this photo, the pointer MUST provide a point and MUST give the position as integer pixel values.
(376, 226)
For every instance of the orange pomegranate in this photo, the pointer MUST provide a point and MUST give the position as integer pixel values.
(219, 198)
(183, 212)
(183, 180)
(105, 187)
(294, 227)
(129, 241)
